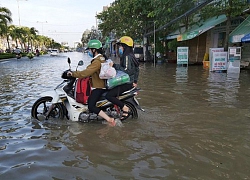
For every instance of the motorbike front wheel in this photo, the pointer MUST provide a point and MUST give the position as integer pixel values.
(41, 107)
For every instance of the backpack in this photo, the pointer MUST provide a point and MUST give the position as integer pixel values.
(83, 90)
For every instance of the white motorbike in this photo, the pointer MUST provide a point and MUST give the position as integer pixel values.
(61, 103)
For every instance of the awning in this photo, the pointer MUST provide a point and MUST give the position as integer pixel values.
(246, 38)
(203, 27)
(174, 34)
(238, 33)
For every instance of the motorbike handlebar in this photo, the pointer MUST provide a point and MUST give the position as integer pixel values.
(65, 75)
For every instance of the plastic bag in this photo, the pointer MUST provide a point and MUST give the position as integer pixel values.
(120, 78)
(107, 71)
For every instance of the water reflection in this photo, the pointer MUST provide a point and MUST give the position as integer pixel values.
(232, 88)
(223, 88)
(216, 87)
(196, 126)
(181, 74)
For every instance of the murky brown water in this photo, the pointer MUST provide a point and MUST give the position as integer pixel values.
(196, 126)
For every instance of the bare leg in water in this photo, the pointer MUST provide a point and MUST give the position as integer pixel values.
(110, 120)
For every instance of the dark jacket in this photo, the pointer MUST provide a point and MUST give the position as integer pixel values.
(129, 65)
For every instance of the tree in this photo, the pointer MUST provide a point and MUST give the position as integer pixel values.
(13, 33)
(231, 8)
(128, 17)
(85, 37)
(136, 18)
(90, 34)
(31, 36)
(5, 18)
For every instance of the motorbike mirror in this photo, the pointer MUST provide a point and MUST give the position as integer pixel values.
(69, 61)
(80, 63)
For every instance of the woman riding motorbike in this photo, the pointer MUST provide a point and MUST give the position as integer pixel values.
(95, 51)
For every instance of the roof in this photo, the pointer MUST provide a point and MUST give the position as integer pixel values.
(204, 26)
(239, 32)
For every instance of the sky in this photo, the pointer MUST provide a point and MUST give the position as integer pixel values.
(61, 20)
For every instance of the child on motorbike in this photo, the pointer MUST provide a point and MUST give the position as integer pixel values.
(95, 51)
(129, 65)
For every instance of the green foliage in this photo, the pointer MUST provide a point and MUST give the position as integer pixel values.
(7, 55)
(172, 45)
(231, 8)
(56, 45)
(126, 17)
(136, 18)
(30, 55)
(5, 15)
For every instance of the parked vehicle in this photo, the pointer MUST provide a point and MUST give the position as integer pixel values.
(138, 51)
(61, 102)
(54, 52)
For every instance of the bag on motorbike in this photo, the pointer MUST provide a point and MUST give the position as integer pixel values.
(107, 71)
(120, 78)
(83, 90)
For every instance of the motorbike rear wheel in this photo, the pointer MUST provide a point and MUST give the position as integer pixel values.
(41, 106)
(132, 111)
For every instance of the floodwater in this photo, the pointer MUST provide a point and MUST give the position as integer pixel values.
(195, 126)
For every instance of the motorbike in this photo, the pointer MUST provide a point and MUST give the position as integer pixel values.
(18, 56)
(61, 103)
(37, 53)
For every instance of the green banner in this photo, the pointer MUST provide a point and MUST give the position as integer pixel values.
(188, 35)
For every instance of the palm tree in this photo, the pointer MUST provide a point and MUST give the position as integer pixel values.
(14, 33)
(23, 36)
(5, 18)
(32, 36)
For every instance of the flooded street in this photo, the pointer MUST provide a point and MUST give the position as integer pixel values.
(195, 126)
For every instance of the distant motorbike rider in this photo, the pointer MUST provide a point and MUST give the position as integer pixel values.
(95, 51)
(18, 52)
(37, 52)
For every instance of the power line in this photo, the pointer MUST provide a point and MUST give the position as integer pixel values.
(183, 15)
(48, 24)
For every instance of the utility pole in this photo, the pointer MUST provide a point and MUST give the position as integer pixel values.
(19, 12)
(42, 25)
(154, 44)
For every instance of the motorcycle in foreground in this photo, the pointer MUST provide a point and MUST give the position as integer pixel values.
(61, 103)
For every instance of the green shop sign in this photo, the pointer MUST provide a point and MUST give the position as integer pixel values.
(189, 35)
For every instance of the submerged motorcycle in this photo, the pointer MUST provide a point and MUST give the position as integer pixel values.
(61, 103)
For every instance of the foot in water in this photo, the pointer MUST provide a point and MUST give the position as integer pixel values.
(116, 122)
(125, 113)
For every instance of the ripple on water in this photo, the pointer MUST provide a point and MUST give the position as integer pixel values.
(196, 126)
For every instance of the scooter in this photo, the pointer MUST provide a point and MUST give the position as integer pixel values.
(61, 103)
(18, 56)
